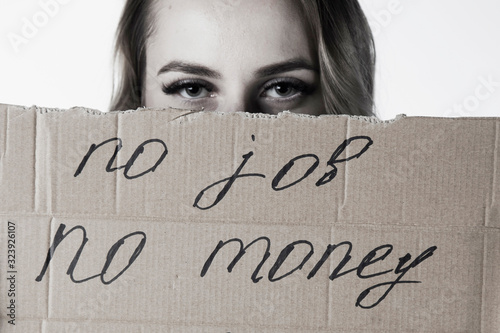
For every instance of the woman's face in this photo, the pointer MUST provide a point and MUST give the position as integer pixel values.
(232, 55)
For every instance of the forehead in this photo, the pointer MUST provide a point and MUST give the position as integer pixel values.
(229, 32)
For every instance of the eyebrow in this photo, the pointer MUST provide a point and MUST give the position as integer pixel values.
(273, 69)
(189, 68)
(285, 66)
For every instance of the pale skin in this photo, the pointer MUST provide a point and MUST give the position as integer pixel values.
(232, 55)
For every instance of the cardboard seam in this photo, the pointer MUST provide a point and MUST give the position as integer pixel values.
(50, 197)
(197, 323)
(490, 300)
(5, 135)
(346, 172)
(330, 285)
(36, 168)
(232, 327)
(116, 195)
(483, 279)
(341, 204)
(236, 222)
(494, 183)
(48, 277)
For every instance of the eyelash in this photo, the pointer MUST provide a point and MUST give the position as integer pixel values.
(177, 86)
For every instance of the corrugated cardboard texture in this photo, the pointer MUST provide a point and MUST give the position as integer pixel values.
(368, 226)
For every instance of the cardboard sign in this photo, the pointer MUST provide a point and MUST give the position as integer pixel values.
(158, 220)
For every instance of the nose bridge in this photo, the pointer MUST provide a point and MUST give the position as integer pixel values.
(234, 105)
(238, 98)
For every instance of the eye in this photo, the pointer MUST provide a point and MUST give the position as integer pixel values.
(193, 91)
(284, 88)
(189, 89)
(281, 90)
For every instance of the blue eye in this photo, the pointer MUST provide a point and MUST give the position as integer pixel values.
(189, 89)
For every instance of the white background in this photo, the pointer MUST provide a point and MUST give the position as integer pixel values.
(434, 57)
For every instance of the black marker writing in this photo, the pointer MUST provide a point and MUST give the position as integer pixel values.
(376, 255)
(275, 184)
(229, 182)
(59, 237)
(327, 177)
(138, 151)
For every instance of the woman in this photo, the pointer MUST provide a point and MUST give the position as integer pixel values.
(306, 56)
